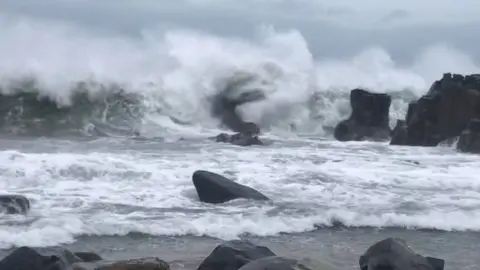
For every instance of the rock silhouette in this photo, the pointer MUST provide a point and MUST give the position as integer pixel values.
(369, 118)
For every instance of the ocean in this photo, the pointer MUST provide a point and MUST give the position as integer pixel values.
(103, 129)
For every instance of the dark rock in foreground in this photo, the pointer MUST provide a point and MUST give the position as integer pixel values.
(393, 253)
(469, 140)
(369, 118)
(214, 188)
(443, 113)
(25, 258)
(239, 139)
(232, 255)
(14, 204)
(135, 264)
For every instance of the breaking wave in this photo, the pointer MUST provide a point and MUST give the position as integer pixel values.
(79, 83)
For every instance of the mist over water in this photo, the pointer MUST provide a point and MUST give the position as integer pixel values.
(111, 69)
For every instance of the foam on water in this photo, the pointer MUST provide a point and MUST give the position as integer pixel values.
(318, 184)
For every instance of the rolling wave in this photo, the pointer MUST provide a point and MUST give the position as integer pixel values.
(76, 82)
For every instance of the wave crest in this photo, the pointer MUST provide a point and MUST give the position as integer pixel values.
(163, 82)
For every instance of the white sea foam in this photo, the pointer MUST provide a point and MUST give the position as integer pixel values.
(358, 184)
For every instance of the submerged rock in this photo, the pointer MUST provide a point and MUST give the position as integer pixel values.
(14, 204)
(239, 139)
(393, 253)
(135, 264)
(88, 256)
(369, 118)
(232, 255)
(214, 188)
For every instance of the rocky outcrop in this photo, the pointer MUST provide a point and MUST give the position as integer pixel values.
(369, 118)
(14, 204)
(214, 188)
(240, 139)
(441, 114)
(134, 264)
(232, 255)
(469, 140)
(25, 258)
(393, 253)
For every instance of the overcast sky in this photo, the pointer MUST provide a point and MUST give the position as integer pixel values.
(340, 27)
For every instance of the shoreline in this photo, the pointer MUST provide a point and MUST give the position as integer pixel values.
(339, 246)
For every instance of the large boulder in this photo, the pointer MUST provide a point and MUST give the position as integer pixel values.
(14, 204)
(369, 119)
(240, 139)
(134, 264)
(214, 188)
(232, 255)
(469, 140)
(393, 253)
(443, 113)
(25, 258)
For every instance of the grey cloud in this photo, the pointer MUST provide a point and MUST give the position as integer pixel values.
(325, 38)
(395, 16)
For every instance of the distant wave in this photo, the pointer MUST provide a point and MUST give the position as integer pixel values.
(75, 82)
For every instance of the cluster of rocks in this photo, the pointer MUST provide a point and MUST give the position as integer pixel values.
(247, 136)
(390, 253)
(449, 110)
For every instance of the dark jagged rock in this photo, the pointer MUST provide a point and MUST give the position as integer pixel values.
(232, 255)
(14, 204)
(25, 258)
(214, 188)
(469, 140)
(88, 256)
(239, 139)
(399, 133)
(443, 113)
(136, 264)
(369, 118)
(393, 253)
